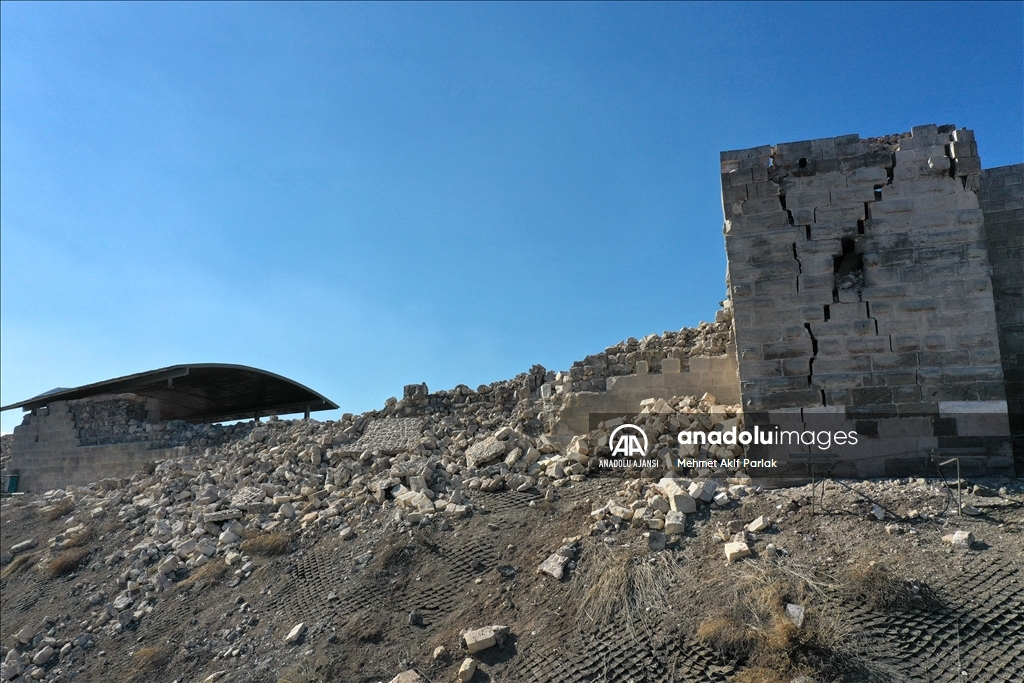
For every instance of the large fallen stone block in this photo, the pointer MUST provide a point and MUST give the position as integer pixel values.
(484, 451)
(622, 513)
(736, 551)
(671, 485)
(221, 516)
(482, 638)
(23, 546)
(42, 656)
(675, 523)
(696, 490)
(759, 524)
(682, 502)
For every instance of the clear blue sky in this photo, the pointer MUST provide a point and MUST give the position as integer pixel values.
(364, 196)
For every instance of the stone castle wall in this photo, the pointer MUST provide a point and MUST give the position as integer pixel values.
(1002, 201)
(874, 284)
(85, 440)
(117, 419)
(861, 285)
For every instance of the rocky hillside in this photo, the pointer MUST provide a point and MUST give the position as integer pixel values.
(446, 537)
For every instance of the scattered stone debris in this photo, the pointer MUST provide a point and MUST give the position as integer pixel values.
(554, 566)
(428, 462)
(556, 563)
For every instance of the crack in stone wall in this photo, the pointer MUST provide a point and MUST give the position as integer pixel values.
(859, 275)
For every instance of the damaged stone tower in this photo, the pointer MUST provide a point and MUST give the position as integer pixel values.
(862, 287)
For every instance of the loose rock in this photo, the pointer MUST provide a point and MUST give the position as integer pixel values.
(295, 633)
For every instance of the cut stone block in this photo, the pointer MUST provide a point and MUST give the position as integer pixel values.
(483, 452)
(759, 524)
(675, 523)
(682, 502)
(736, 551)
(554, 566)
(483, 638)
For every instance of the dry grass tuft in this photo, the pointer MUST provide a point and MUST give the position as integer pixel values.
(67, 562)
(760, 674)
(728, 635)
(268, 544)
(877, 587)
(80, 539)
(206, 575)
(148, 661)
(754, 629)
(61, 508)
(18, 566)
(149, 658)
(615, 583)
(308, 670)
(366, 626)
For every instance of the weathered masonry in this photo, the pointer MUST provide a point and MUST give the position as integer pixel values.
(1002, 201)
(114, 428)
(871, 288)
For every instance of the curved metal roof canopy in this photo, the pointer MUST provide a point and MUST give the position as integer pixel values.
(204, 392)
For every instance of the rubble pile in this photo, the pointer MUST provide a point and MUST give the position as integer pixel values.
(662, 508)
(5, 451)
(667, 511)
(123, 419)
(290, 475)
(591, 373)
(423, 460)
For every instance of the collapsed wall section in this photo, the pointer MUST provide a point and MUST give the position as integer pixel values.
(78, 442)
(861, 287)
